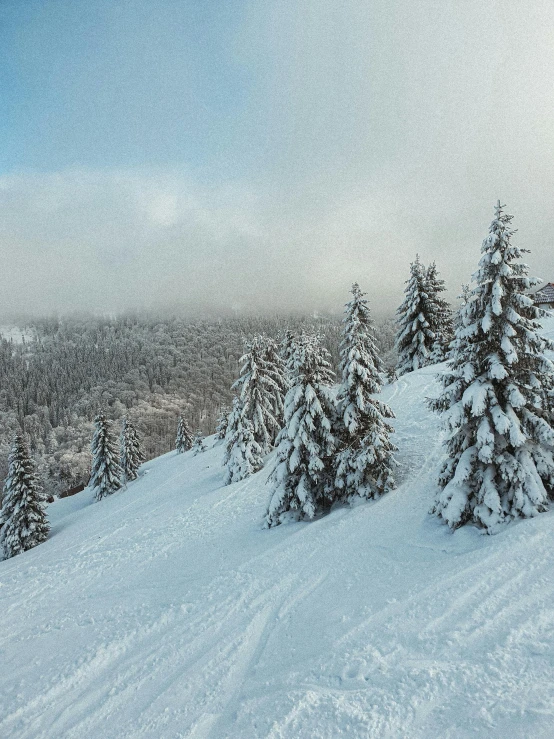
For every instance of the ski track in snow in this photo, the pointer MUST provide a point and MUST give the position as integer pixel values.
(167, 610)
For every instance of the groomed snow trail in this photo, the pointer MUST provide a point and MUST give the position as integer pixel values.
(167, 611)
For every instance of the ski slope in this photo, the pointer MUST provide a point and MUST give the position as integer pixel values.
(167, 610)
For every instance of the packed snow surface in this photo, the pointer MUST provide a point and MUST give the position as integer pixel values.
(166, 610)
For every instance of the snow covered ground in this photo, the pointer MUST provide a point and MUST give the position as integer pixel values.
(15, 334)
(167, 611)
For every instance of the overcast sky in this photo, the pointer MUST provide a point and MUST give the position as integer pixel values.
(263, 154)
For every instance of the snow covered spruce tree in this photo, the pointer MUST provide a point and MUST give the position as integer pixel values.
(287, 349)
(132, 455)
(183, 441)
(105, 477)
(258, 388)
(439, 315)
(302, 481)
(276, 369)
(243, 455)
(415, 337)
(222, 423)
(496, 397)
(365, 461)
(23, 521)
(198, 445)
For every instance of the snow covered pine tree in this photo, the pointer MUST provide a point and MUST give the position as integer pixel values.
(105, 477)
(440, 315)
(496, 397)
(243, 455)
(23, 522)
(365, 461)
(302, 480)
(222, 421)
(288, 347)
(259, 390)
(276, 370)
(183, 442)
(198, 444)
(131, 453)
(415, 337)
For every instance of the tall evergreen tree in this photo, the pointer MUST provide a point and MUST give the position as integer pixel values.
(302, 480)
(106, 472)
(287, 348)
(132, 455)
(496, 396)
(276, 370)
(365, 461)
(258, 388)
(23, 521)
(184, 439)
(439, 315)
(415, 336)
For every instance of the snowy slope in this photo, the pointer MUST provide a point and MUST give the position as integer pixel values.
(167, 611)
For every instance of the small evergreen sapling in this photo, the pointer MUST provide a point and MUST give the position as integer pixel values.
(106, 472)
(496, 399)
(302, 480)
(198, 445)
(23, 521)
(222, 422)
(183, 441)
(131, 452)
(365, 461)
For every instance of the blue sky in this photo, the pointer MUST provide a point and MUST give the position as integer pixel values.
(264, 154)
(120, 84)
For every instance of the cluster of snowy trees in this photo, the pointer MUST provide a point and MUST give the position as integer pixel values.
(497, 400)
(150, 370)
(114, 465)
(23, 520)
(331, 447)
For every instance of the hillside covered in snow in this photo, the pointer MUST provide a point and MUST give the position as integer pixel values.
(166, 610)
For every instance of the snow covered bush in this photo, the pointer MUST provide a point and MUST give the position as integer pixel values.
(302, 480)
(496, 396)
(106, 473)
(23, 522)
(365, 461)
